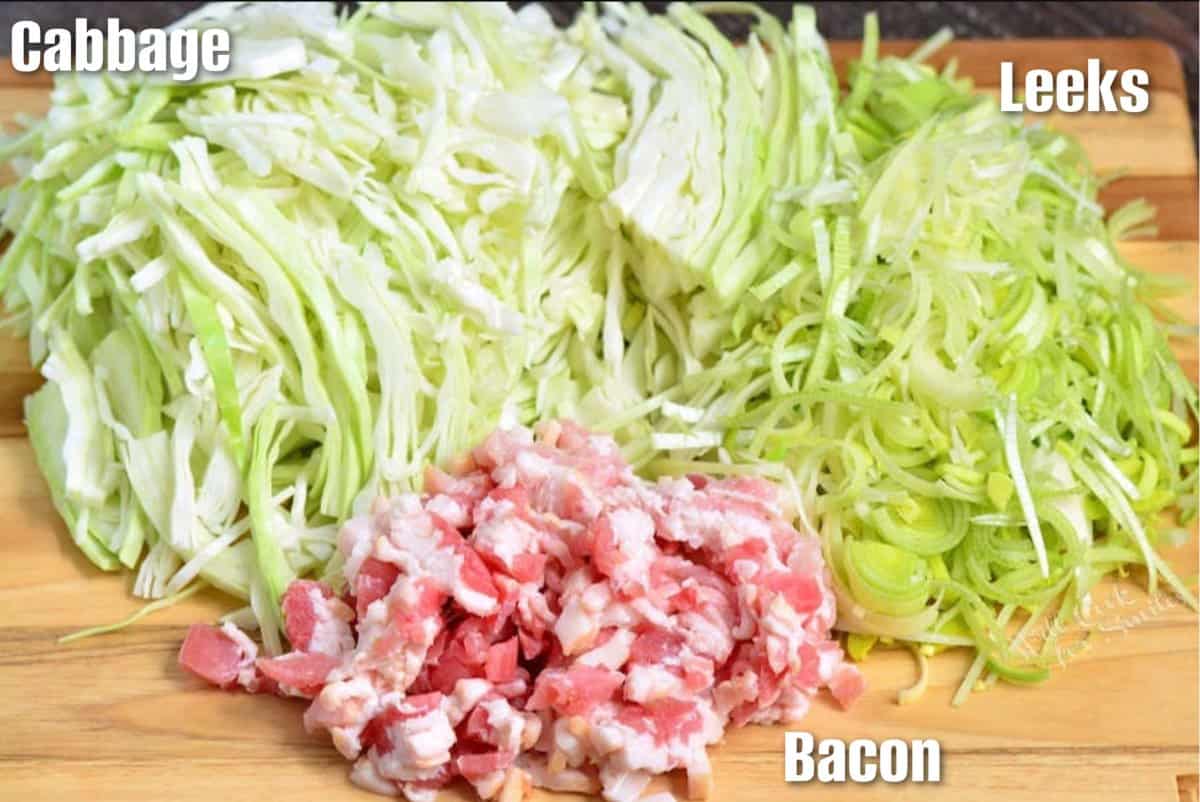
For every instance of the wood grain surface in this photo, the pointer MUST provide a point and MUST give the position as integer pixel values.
(114, 718)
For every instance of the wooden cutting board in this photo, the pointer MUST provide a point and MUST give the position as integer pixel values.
(114, 718)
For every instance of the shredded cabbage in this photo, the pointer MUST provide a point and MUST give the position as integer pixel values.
(261, 299)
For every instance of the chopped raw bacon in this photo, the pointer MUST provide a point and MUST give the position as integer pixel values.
(501, 663)
(528, 567)
(803, 593)
(299, 612)
(654, 646)
(314, 620)
(211, 655)
(575, 691)
(302, 673)
(847, 684)
(375, 579)
(542, 617)
(476, 766)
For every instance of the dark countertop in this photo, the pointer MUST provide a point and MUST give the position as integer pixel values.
(1173, 22)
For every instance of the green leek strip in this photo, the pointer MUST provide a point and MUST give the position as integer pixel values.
(1012, 454)
(835, 305)
(968, 682)
(865, 71)
(1119, 507)
(1064, 615)
(942, 526)
(981, 660)
(145, 610)
(910, 695)
(886, 579)
(931, 45)
(777, 281)
(938, 639)
(1019, 676)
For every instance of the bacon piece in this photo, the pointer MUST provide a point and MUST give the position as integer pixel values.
(574, 691)
(211, 655)
(847, 684)
(803, 593)
(454, 498)
(654, 646)
(375, 579)
(301, 611)
(376, 732)
(673, 718)
(316, 620)
(501, 663)
(475, 579)
(528, 567)
(301, 672)
(475, 766)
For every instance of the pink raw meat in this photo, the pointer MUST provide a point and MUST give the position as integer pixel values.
(541, 616)
(211, 655)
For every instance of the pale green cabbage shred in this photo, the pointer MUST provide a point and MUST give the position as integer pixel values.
(261, 299)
